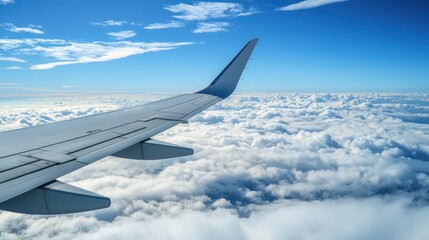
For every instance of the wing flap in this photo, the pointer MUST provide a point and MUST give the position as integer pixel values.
(24, 169)
(49, 156)
(82, 142)
(26, 182)
(14, 162)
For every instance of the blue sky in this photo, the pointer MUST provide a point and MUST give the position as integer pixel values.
(180, 46)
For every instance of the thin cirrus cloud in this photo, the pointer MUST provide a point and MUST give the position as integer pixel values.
(4, 2)
(12, 68)
(108, 23)
(122, 34)
(308, 4)
(69, 52)
(11, 59)
(212, 27)
(171, 24)
(29, 29)
(266, 166)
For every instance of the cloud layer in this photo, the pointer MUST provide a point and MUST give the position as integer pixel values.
(272, 166)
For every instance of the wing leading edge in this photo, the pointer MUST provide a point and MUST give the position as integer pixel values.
(32, 158)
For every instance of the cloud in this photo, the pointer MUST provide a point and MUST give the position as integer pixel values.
(271, 166)
(11, 59)
(7, 44)
(13, 68)
(108, 23)
(308, 4)
(171, 24)
(30, 29)
(9, 84)
(208, 10)
(122, 34)
(75, 53)
(5, 2)
(212, 27)
(69, 52)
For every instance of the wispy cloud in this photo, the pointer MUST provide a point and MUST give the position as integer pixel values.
(308, 4)
(108, 23)
(208, 10)
(99, 52)
(171, 24)
(9, 84)
(11, 59)
(8, 44)
(12, 68)
(122, 34)
(69, 86)
(212, 27)
(69, 52)
(29, 29)
(4, 2)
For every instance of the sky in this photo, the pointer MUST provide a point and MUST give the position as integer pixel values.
(50, 46)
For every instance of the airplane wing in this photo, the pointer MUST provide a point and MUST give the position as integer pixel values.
(31, 159)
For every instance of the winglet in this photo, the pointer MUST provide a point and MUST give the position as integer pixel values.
(226, 82)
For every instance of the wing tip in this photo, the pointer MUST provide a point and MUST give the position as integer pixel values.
(226, 82)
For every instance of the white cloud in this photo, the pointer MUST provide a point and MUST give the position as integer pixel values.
(208, 10)
(30, 29)
(266, 166)
(7, 44)
(11, 59)
(171, 24)
(4, 2)
(122, 34)
(108, 23)
(9, 84)
(308, 4)
(99, 52)
(13, 68)
(211, 27)
(345, 219)
(68, 52)
(69, 86)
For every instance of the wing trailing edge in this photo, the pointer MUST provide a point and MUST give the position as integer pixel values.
(226, 82)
